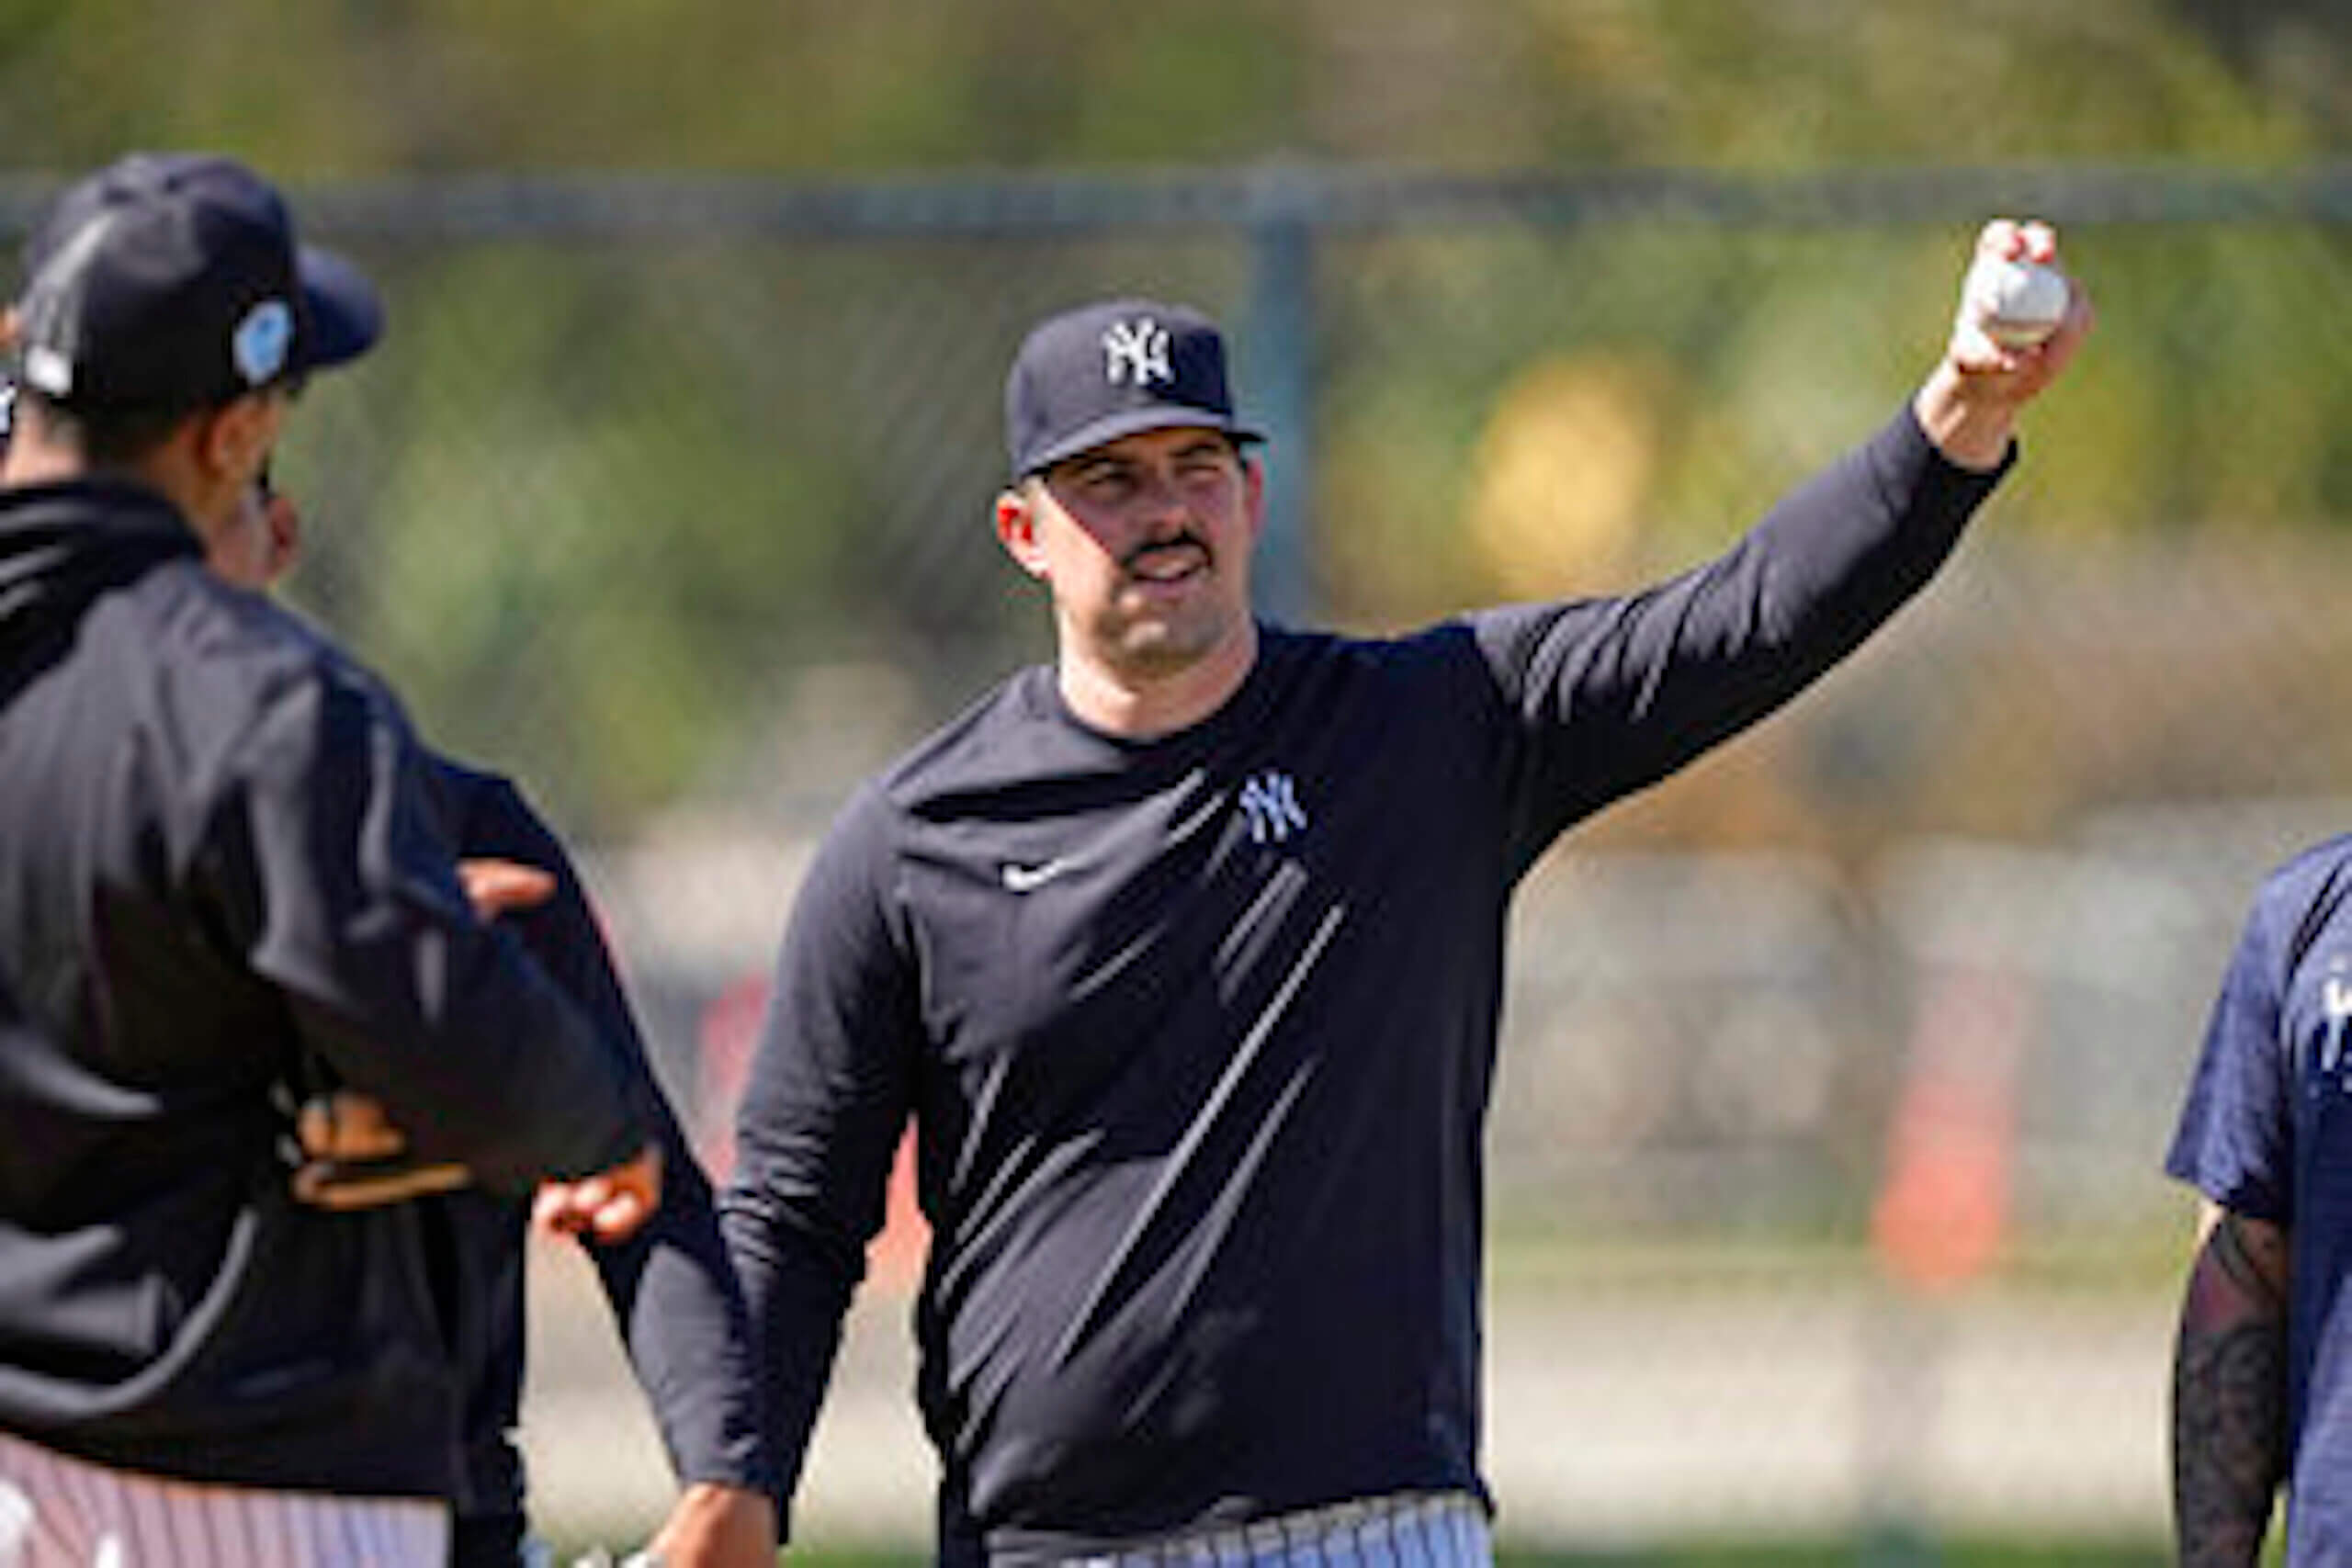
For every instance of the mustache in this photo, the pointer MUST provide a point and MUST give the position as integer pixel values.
(1144, 552)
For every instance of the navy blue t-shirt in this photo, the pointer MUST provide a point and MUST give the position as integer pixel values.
(2266, 1132)
(1197, 1032)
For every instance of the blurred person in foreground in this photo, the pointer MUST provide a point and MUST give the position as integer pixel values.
(221, 863)
(1185, 957)
(671, 1290)
(2262, 1365)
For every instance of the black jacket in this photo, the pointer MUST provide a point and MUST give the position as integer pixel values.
(219, 859)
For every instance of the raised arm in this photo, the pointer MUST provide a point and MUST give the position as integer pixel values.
(1613, 694)
(2229, 1410)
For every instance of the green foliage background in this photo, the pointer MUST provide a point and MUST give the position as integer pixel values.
(594, 506)
(345, 87)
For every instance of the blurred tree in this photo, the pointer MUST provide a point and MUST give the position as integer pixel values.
(318, 87)
(600, 502)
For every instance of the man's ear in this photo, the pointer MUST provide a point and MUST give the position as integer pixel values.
(231, 440)
(1016, 529)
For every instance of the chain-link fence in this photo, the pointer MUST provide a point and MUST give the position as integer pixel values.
(1837, 1071)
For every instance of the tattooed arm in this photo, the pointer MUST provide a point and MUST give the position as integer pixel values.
(2229, 1414)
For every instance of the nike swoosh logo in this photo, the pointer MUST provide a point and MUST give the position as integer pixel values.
(1029, 878)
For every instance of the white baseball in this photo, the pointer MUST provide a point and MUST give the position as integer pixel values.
(2018, 303)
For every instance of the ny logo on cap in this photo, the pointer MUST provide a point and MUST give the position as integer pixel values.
(1137, 350)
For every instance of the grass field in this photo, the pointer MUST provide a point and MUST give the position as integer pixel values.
(2023, 1429)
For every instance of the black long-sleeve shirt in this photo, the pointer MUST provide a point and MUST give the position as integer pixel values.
(1197, 1031)
(220, 862)
(670, 1286)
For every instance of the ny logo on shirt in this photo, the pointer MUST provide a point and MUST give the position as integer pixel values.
(1270, 801)
(1137, 350)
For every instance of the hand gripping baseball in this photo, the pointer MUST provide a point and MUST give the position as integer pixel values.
(2010, 338)
(2020, 317)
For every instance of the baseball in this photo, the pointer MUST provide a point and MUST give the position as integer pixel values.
(2019, 303)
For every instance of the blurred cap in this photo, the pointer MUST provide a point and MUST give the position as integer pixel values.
(170, 281)
(1103, 371)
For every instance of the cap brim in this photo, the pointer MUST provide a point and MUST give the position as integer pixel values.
(346, 316)
(1134, 422)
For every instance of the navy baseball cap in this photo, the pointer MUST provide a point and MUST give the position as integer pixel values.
(1120, 367)
(170, 281)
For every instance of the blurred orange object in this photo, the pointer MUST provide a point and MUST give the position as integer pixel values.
(1942, 1212)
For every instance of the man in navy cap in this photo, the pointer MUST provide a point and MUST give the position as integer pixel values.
(1184, 954)
(220, 865)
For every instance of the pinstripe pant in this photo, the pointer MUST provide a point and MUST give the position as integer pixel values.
(1434, 1529)
(59, 1512)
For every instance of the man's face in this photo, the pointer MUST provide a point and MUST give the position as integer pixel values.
(257, 544)
(1145, 543)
